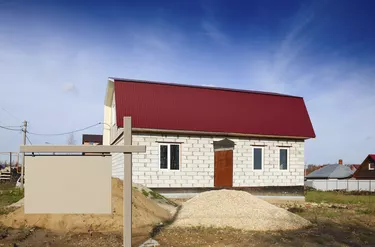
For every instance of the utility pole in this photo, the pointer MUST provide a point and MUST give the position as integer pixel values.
(17, 161)
(23, 154)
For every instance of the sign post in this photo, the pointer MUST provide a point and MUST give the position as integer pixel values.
(35, 187)
(127, 183)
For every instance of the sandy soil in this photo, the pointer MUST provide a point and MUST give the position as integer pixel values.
(146, 214)
(236, 209)
(331, 227)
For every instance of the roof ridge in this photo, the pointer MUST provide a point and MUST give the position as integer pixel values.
(203, 87)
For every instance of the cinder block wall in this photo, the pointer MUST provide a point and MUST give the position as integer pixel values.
(197, 162)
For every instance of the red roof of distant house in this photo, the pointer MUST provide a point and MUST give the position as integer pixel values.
(92, 138)
(372, 156)
(164, 106)
(356, 166)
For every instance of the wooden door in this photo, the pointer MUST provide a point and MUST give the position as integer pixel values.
(223, 174)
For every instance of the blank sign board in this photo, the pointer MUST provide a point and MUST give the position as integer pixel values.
(68, 185)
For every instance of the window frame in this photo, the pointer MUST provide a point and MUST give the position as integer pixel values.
(169, 156)
(369, 166)
(253, 158)
(287, 158)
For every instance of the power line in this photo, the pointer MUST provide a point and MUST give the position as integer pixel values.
(10, 114)
(7, 128)
(65, 133)
(29, 140)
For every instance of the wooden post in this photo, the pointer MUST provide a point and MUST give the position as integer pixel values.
(17, 161)
(23, 155)
(127, 184)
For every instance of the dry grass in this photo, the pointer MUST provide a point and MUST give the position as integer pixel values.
(9, 195)
(351, 226)
(339, 197)
(331, 227)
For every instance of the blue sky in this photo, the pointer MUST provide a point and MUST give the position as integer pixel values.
(56, 56)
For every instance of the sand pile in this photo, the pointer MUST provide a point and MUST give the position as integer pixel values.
(145, 213)
(237, 209)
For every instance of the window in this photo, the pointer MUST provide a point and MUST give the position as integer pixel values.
(169, 156)
(371, 166)
(258, 158)
(163, 156)
(283, 159)
(175, 157)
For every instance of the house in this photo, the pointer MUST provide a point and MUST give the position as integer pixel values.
(92, 139)
(354, 167)
(332, 171)
(311, 168)
(200, 138)
(366, 169)
(88, 139)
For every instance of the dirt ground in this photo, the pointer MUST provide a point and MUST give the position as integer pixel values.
(18, 229)
(333, 225)
(43, 238)
(349, 226)
(145, 213)
(332, 228)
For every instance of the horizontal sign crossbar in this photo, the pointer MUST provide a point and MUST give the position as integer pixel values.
(81, 149)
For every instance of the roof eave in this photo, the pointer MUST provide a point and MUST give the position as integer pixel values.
(190, 132)
(200, 86)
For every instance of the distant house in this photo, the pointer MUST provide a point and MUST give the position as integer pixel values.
(366, 169)
(354, 167)
(335, 171)
(312, 168)
(92, 140)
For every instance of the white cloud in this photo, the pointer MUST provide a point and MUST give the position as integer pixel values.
(208, 85)
(338, 94)
(214, 33)
(211, 26)
(69, 88)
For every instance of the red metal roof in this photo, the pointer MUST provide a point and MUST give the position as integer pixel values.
(356, 166)
(163, 106)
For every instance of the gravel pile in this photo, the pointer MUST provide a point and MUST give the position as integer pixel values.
(237, 209)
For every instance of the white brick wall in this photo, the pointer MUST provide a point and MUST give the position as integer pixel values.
(197, 162)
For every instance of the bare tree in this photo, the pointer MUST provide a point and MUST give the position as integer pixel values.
(71, 140)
